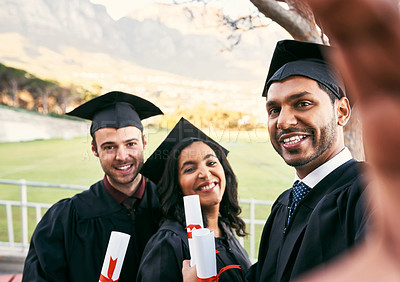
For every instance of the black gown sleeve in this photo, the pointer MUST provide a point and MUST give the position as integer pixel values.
(70, 241)
(46, 259)
(162, 258)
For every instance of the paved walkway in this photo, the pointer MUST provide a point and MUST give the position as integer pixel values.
(11, 263)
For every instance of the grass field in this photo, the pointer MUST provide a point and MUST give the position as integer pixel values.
(261, 172)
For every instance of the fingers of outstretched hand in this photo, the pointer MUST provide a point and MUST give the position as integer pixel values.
(189, 273)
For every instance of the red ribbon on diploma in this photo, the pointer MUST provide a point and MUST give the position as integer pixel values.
(110, 272)
(191, 227)
(216, 278)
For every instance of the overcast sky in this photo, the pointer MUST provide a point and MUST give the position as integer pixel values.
(119, 8)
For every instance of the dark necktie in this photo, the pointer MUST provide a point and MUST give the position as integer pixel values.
(129, 203)
(299, 191)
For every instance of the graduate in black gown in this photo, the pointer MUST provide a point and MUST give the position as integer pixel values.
(192, 164)
(325, 214)
(70, 241)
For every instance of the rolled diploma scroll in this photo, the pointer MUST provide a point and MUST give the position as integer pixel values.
(114, 257)
(204, 251)
(194, 220)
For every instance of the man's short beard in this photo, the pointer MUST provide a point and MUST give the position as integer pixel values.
(328, 136)
(140, 165)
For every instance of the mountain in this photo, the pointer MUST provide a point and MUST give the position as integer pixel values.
(56, 24)
(180, 39)
(169, 52)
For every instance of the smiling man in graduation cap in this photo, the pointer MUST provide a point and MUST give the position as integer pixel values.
(324, 213)
(70, 241)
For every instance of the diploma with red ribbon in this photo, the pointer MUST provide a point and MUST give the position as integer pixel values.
(114, 257)
(194, 220)
(205, 256)
(204, 253)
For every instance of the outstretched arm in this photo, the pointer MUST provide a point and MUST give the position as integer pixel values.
(367, 35)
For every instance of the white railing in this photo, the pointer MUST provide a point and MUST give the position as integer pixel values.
(252, 222)
(23, 204)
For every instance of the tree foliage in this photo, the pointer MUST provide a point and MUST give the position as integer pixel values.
(212, 118)
(20, 88)
(294, 16)
(12, 80)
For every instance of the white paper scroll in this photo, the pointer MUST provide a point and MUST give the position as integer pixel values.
(194, 220)
(114, 257)
(204, 252)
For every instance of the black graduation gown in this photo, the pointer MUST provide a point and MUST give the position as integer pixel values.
(330, 219)
(163, 256)
(70, 242)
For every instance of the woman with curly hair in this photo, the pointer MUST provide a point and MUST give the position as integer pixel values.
(193, 164)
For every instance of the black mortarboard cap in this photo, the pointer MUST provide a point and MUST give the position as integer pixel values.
(297, 58)
(154, 166)
(116, 109)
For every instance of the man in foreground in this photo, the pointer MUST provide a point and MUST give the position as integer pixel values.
(70, 241)
(323, 214)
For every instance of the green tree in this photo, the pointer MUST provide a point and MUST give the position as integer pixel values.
(41, 91)
(12, 80)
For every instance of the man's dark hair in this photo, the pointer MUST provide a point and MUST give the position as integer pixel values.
(94, 144)
(171, 195)
(331, 95)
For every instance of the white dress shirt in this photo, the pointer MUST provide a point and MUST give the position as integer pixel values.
(314, 177)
